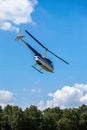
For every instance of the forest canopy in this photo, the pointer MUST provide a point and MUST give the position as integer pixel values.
(14, 118)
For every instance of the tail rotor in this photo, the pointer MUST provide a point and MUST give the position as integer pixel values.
(19, 36)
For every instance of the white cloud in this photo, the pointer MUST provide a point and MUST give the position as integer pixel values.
(35, 90)
(41, 105)
(14, 13)
(6, 97)
(84, 99)
(68, 96)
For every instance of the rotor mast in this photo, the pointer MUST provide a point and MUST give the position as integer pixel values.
(45, 53)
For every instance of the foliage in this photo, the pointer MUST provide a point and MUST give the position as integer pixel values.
(14, 118)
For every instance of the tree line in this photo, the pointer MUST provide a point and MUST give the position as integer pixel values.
(14, 118)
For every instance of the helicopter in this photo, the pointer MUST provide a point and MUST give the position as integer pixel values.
(41, 60)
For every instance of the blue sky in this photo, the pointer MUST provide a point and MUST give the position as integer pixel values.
(62, 27)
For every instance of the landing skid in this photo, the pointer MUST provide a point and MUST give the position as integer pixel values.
(39, 70)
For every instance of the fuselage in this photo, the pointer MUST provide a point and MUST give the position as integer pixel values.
(45, 63)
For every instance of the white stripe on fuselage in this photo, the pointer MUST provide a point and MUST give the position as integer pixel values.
(44, 64)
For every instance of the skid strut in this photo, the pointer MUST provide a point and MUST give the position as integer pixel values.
(39, 70)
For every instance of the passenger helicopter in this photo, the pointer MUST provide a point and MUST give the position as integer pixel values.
(41, 60)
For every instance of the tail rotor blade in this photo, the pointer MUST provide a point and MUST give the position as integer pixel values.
(19, 36)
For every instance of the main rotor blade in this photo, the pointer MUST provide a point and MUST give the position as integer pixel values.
(35, 39)
(58, 57)
(45, 47)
